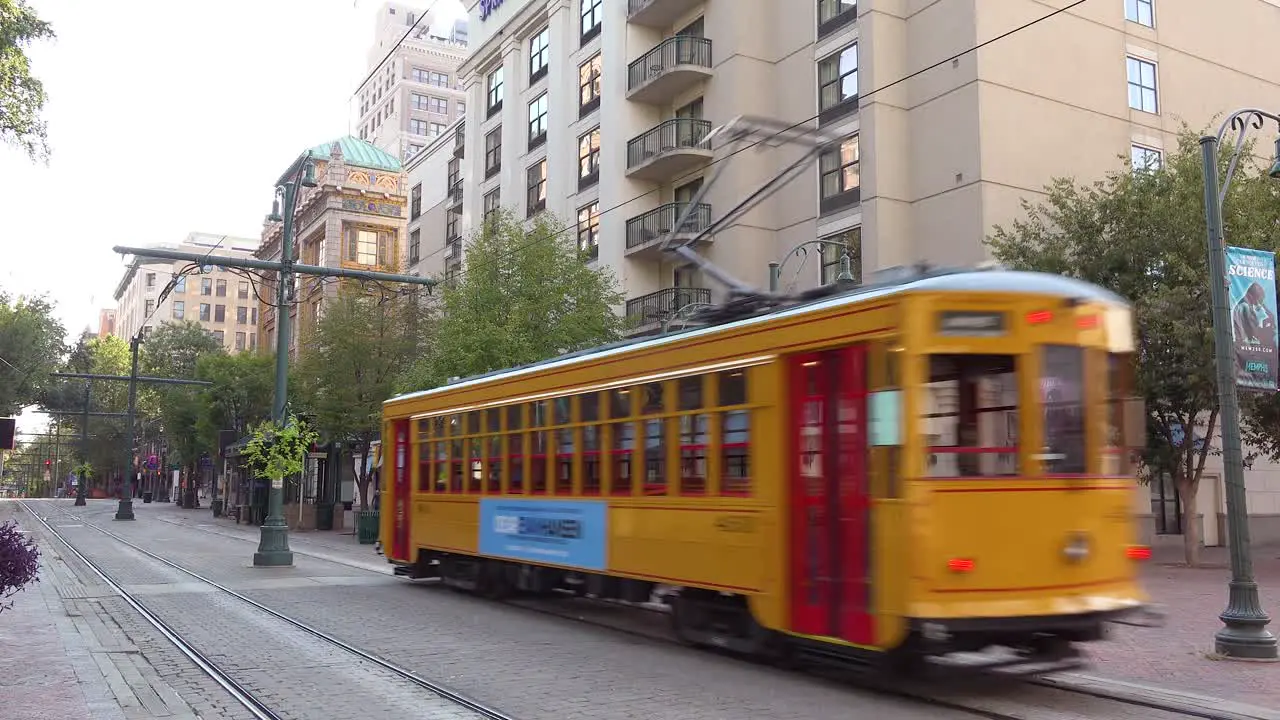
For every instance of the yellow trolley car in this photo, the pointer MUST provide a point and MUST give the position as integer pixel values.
(936, 465)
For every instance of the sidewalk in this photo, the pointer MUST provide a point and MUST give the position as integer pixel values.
(63, 656)
(1180, 655)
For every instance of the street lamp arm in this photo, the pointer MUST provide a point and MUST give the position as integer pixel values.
(1240, 121)
(846, 271)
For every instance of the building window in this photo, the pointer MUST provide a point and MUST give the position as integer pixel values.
(239, 341)
(589, 85)
(206, 286)
(1144, 159)
(440, 79)
(242, 290)
(493, 152)
(415, 202)
(253, 341)
(589, 231)
(451, 225)
(462, 108)
(1141, 12)
(833, 254)
(455, 174)
(415, 247)
(181, 285)
(494, 85)
(419, 102)
(492, 202)
(440, 106)
(838, 84)
(220, 336)
(179, 309)
(412, 150)
(1142, 85)
(538, 121)
(242, 315)
(592, 18)
(418, 127)
(537, 187)
(420, 75)
(219, 313)
(835, 14)
(840, 184)
(366, 247)
(151, 281)
(148, 307)
(589, 159)
(437, 129)
(539, 55)
(221, 288)
(205, 311)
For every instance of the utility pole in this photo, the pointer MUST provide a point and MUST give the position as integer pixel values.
(84, 448)
(273, 544)
(125, 510)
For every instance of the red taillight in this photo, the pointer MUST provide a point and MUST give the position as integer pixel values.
(1138, 552)
(1039, 317)
(1087, 322)
(960, 565)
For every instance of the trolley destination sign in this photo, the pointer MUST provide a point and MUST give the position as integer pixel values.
(971, 323)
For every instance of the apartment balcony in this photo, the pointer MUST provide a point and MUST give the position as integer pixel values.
(648, 312)
(658, 13)
(454, 251)
(675, 65)
(670, 149)
(459, 141)
(455, 193)
(645, 232)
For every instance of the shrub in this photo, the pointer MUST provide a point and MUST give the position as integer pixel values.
(19, 562)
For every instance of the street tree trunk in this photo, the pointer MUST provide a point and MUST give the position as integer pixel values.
(1187, 483)
(362, 478)
(1187, 491)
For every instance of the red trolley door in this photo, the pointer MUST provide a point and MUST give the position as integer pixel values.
(398, 464)
(830, 499)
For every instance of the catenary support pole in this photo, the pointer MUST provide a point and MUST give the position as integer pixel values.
(125, 511)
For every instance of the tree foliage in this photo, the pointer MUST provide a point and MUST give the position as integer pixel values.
(351, 359)
(240, 396)
(22, 95)
(173, 350)
(276, 450)
(1142, 234)
(31, 347)
(525, 295)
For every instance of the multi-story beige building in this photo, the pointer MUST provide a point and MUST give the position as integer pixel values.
(412, 92)
(932, 160)
(222, 302)
(354, 218)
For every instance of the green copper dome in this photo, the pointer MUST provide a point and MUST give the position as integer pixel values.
(358, 152)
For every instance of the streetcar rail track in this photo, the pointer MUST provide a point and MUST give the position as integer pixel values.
(867, 682)
(243, 696)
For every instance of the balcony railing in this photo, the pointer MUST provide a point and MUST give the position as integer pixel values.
(646, 228)
(658, 306)
(455, 192)
(454, 250)
(675, 52)
(459, 140)
(668, 137)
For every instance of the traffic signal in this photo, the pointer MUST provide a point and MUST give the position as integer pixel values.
(47, 463)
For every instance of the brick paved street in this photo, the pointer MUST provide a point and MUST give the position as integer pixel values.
(532, 665)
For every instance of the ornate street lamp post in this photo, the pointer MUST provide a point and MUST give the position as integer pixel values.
(846, 265)
(1245, 634)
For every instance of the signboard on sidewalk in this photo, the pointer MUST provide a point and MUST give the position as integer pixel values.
(1251, 290)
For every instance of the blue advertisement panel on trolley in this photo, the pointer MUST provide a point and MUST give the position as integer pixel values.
(1251, 287)
(568, 533)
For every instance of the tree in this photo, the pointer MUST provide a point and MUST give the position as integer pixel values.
(31, 347)
(22, 96)
(525, 295)
(1142, 234)
(350, 361)
(173, 351)
(240, 395)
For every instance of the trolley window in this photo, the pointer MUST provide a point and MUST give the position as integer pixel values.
(970, 419)
(1062, 398)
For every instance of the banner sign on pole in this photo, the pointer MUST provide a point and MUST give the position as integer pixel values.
(1251, 288)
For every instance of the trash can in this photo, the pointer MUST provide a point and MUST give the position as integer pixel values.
(217, 508)
(324, 516)
(146, 497)
(367, 526)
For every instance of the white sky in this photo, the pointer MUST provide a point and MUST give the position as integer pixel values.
(167, 117)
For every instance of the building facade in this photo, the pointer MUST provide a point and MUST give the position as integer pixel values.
(412, 92)
(222, 302)
(106, 322)
(353, 218)
(435, 207)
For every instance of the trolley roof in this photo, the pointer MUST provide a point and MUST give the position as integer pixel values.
(984, 281)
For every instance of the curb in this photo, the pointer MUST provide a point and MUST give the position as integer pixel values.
(1157, 698)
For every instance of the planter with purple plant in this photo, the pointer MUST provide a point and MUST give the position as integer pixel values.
(19, 562)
